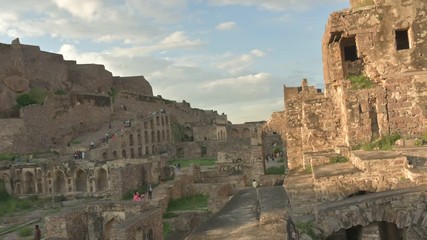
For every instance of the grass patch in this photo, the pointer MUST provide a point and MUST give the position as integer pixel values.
(338, 159)
(384, 143)
(35, 96)
(275, 170)
(189, 162)
(60, 92)
(308, 169)
(421, 141)
(307, 228)
(194, 202)
(76, 141)
(360, 82)
(166, 230)
(6, 156)
(169, 215)
(25, 232)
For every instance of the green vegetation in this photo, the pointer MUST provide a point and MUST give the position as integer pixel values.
(359, 82)
(113, 93)
(421, 141)
(60, 92)
(277, 149)
(193, 202)
(275, 170)
(6, 156)
(76, 141)
(308, 169)
(10, 204)
(35, 96)
(307, 228)
(169, 215)
(338, 159)
(189, 162)
(25, 232)
(384, 143)
(166, 230)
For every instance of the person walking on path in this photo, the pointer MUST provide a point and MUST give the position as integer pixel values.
(254, 184)
(37, 233)
(150, 191)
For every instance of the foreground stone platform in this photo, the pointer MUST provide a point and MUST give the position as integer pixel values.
(240, 217)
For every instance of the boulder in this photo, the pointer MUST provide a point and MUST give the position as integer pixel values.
(17, 84)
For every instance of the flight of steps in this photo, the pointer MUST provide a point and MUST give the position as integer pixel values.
(300, 189)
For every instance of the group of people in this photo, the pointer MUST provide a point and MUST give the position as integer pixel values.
(140, 197)
(79, 155)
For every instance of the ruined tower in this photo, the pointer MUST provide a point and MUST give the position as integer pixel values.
(382, 44)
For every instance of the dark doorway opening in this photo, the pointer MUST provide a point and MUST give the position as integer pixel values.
(402, 39)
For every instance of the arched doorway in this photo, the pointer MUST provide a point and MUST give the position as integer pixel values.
(29, 186)
(81, 181)
(59, 182)
(107, 228)
(101, 180)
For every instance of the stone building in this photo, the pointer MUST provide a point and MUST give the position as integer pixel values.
(373, 194)
(368, 41)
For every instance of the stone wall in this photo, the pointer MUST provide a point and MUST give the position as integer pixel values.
(401, 207)
(135, 84)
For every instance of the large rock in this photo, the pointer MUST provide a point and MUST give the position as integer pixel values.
(17, 84)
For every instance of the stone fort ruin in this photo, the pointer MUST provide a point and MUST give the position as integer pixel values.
(98, 135)
(374, 195)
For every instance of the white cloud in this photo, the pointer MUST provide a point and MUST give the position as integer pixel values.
(249, 83)
(240, 63)
(176, 40)
(226, 26)
(86, 9)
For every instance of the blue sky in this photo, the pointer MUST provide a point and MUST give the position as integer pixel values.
(233, 56)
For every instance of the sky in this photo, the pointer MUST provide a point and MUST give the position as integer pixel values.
(232, 56)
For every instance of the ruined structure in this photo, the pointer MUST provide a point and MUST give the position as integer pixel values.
(382, 44)
(89, 134)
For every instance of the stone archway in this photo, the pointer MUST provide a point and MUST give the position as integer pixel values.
(101, 180)
(246, 133)
(29, 183)
(386, 213)
(81, 181)
(59, 182)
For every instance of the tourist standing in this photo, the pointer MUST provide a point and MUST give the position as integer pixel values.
(37, 233)
(150, 191)
(254, 184)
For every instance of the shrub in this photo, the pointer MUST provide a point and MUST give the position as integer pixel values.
(360, 82)
(384, 143)
(275, 170)
(60, 92)
(35, 96)
(308, 169)
(6, 156)
(25, 232)
(338, 159)
(166, 230)
(307, 228)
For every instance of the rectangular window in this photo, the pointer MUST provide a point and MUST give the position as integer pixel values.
(402, 39)
(349, 49)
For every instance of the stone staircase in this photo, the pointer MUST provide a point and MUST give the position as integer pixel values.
(302, 196)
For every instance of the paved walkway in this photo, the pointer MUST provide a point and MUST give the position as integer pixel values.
(239, 219)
